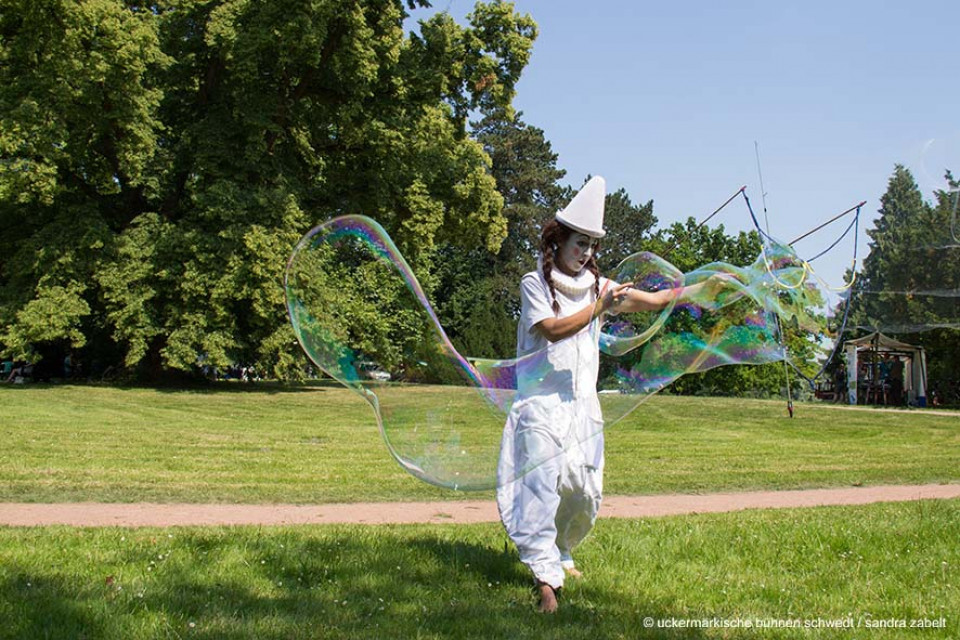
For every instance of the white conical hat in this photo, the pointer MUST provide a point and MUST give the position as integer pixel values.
(585, 211)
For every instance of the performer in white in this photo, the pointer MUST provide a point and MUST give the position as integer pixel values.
(550, 473)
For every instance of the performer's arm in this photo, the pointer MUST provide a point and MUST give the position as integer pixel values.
(554, 329)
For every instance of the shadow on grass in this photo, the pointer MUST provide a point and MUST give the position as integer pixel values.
(237, 386)
(389, 584)
(44, 607)
(209, 387)
(218, 387)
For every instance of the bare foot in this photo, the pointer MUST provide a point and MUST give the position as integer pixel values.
(548, 598)
(573, 572)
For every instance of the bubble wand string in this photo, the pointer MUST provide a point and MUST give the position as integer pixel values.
(780, 336)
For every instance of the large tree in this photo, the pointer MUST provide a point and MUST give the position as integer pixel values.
(909, 280)
(159, 160)
(479, 292)
(896, 255)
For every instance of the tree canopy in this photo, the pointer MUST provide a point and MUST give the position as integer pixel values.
(159, 160)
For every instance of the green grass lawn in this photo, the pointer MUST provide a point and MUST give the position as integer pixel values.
(237, 443)
(867, 563)
(862, 566)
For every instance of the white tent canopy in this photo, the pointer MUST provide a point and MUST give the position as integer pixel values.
(915, 371)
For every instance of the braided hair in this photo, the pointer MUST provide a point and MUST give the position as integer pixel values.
(555, 234)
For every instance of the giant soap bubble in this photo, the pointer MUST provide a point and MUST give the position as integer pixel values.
(361, 315)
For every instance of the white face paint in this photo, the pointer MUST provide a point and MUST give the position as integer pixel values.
(575, 252)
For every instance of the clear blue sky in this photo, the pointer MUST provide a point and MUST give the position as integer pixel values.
(668, 99)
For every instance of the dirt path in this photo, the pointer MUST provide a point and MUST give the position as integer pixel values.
(167, 515)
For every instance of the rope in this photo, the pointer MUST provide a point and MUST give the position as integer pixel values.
(705, 221)
(846, 309)
(780, 335)
(855, 207)
(837, 241)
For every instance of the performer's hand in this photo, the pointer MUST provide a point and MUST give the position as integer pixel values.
(716, 292)
(611, 298)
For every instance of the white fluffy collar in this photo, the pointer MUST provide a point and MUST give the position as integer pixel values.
(571, 286)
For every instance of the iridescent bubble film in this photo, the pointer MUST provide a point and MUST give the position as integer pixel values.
(361, 315)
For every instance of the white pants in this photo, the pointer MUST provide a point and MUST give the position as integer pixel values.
(550, 481)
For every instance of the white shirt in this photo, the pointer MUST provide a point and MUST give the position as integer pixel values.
(568, 367)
